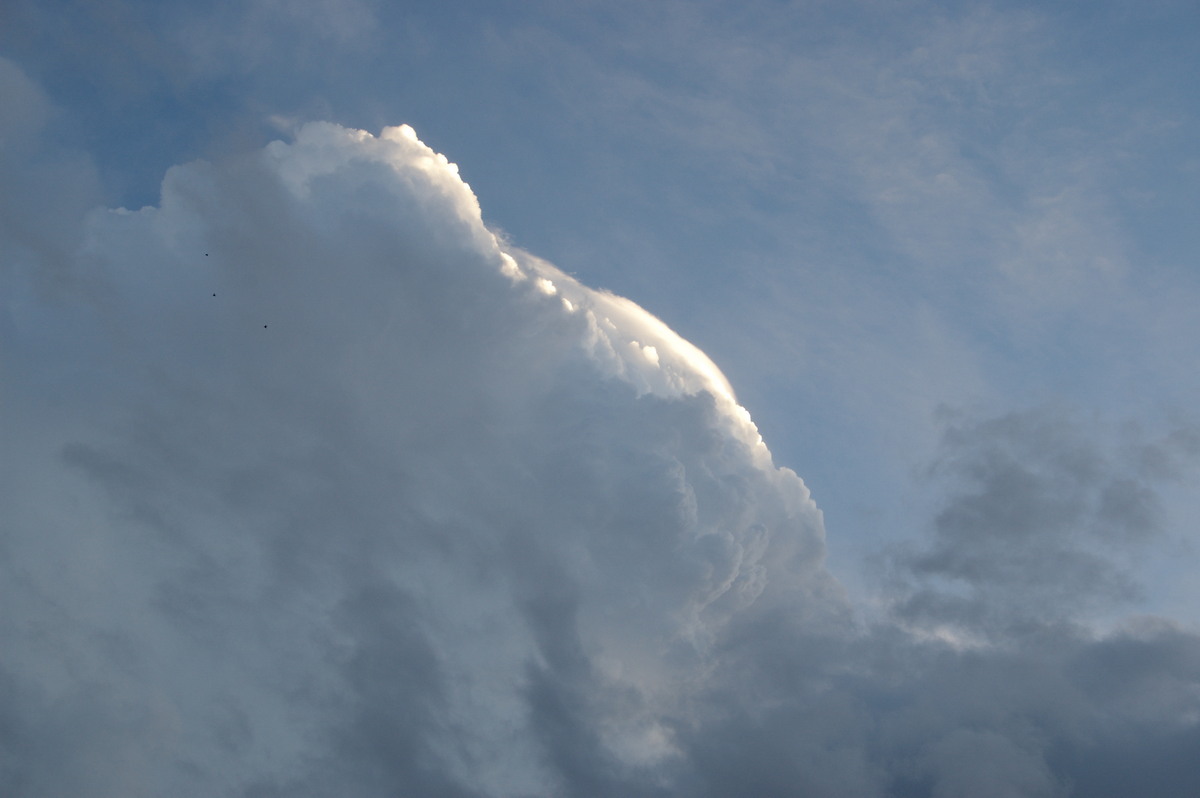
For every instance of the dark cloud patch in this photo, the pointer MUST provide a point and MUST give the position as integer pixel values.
(1044, 518)
(1141, 686)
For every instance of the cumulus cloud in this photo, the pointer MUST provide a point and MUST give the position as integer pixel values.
(314, 485)
(318, 474)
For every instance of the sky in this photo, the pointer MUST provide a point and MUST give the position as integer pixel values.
(635, 399)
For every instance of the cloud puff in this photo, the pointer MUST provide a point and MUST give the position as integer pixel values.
(313, 485)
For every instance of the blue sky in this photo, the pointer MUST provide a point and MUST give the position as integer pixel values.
(943, 252)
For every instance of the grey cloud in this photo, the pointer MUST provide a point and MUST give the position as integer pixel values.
(371, 499)
(1043, 518)
(47, 189)
(404, 510)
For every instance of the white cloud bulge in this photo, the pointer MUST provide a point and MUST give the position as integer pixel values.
(316, 486)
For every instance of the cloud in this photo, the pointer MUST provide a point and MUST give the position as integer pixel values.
(314, 484)
(47, 190)
(318, 475)
(1044, 519)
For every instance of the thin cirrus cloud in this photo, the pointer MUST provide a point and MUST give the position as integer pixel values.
(314, 485)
